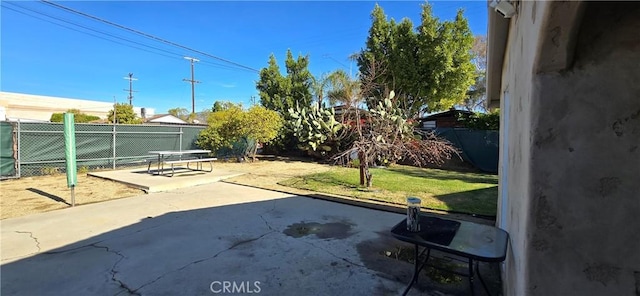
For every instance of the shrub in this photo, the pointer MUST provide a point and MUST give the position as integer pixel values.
(238, 131)
(482, 121)
(50, 170)
(78, 117)
(83, 169)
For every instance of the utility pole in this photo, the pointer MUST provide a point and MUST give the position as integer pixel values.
(193, 85)
(131, 91)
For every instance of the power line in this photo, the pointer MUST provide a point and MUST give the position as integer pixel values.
(175, 55)
(147, 35)
(91, 29)
(220, 66)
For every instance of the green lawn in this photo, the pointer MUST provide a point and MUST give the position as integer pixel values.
(439, 189)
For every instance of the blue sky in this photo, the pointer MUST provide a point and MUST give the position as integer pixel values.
(40, 57)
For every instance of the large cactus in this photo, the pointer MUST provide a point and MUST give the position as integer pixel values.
(314, 126)
(389, 122)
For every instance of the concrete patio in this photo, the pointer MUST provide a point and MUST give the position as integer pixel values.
(152, 182)
(193, 241)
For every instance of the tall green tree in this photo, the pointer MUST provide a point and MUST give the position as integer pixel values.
(124, 114)
(458, 70)
(429, 67)
(300, 79)
(279, 92)
(401, 57)
(274, 88)
(374, 57)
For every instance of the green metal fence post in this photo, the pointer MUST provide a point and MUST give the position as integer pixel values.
(113, 161)
(70, 154)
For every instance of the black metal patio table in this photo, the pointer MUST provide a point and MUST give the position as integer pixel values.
(473, 241)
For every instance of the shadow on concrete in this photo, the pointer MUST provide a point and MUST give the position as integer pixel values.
(290, 246)
(48, 195)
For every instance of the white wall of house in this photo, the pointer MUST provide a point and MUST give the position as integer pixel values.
(571, 149)
(515, 154)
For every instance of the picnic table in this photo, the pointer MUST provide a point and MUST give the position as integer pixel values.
(473, 241)
(185, 156)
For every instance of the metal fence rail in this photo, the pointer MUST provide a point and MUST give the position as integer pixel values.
(28, 149)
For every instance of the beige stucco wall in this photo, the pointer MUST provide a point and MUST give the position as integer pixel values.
(36, 107)
(515, 156)
(570, 164)
(27, 106)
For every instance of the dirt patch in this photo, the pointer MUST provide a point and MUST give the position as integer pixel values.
(31, 195)
(268, 173)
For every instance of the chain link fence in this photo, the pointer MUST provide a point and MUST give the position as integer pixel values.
(30, 149)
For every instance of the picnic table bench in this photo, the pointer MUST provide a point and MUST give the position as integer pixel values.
(192, 156)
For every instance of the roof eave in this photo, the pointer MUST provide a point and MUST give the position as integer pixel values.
(497, 35)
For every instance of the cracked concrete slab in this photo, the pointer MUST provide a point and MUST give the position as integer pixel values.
(27, 242)
(194, 241)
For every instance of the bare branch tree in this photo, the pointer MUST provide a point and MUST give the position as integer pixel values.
(384, 135)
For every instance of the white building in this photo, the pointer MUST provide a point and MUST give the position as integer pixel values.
(26, 107)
